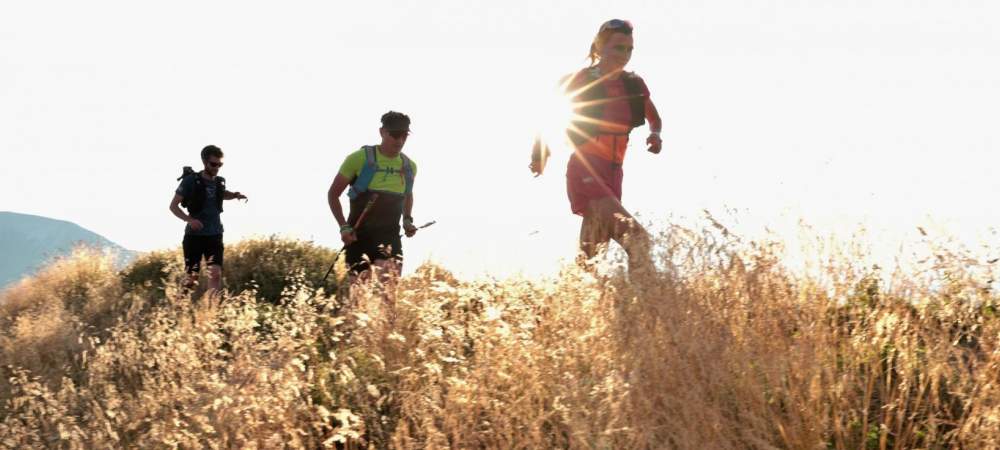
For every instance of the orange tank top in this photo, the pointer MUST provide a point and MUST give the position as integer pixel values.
(612, 130)
(607, 146)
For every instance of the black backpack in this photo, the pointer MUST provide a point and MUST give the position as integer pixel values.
(196, 202)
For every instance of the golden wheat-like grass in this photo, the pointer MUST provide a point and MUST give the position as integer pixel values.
(725, 347)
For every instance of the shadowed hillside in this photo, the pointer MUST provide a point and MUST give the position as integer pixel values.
(28, 241)
(726, 348)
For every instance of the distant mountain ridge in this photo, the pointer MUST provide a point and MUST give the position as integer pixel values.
(27, 242)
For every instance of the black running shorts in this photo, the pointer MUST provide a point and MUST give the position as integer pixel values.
(373, 244)
(196, 247)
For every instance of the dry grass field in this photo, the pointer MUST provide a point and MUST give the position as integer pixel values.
(727, 347)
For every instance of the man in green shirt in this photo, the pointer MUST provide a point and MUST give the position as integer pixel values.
(380, 178)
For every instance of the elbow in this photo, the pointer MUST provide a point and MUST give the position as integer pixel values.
(331, 198)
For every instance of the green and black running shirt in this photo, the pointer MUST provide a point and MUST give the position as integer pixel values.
(389, 177)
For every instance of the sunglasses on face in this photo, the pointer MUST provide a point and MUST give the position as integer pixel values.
(618, 25)
(214, 165)
(398, 134)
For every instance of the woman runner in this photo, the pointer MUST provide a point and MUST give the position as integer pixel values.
(608, 103)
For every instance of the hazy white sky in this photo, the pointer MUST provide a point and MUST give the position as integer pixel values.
(836, 112)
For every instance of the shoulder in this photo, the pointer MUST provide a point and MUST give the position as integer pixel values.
(576, 78)
(635, 78)
(353, 163)
(189, 180)
(406, 158)
(357, 155)
(185, 186)
(632, 76)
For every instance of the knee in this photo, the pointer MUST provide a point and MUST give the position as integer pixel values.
(633, 234)
(389, 265)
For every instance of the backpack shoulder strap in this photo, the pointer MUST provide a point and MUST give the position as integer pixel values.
(195, 200)
(633, 84)
(407, 173)
(636, 98)
(367, 172)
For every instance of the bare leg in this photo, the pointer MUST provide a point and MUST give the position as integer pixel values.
(625, 230)
(387, 268)
(594, 234)
(191, 282)
(359, 277)
(351, 281)
(387, 272)
(214, 280)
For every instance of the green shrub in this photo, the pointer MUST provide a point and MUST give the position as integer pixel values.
(149, 274)
(272, 265)
(268, 266)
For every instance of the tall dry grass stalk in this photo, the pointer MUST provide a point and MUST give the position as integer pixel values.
(725, 347)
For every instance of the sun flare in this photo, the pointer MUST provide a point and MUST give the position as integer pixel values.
(553, 117)
(556, 114)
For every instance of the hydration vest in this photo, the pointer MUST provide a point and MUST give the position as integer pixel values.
(196, 201)
(595, 97)
(368, 171)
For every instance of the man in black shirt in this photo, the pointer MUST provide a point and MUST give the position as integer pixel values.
(202, 194)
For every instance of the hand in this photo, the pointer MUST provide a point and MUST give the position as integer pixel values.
(348, 237)
(539, 155)
(195, 224)
(409, 229)
(238, 196)
(655, 143)
(536, 168)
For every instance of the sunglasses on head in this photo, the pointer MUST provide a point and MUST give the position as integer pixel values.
(618, 25)
(397, 134)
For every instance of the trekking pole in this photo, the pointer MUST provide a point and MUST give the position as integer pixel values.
(424, 226)
(357, 224)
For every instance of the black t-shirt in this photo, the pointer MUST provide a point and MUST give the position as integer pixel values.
(210, 216)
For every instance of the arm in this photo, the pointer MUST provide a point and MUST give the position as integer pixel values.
(653, 116)
(176, 210)
(540, 151)
(349, 169)
(228, 195)
(340, 182)
(539, 155)
(338, 186)
(408, 225)
(655, 125)
(408, 206)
